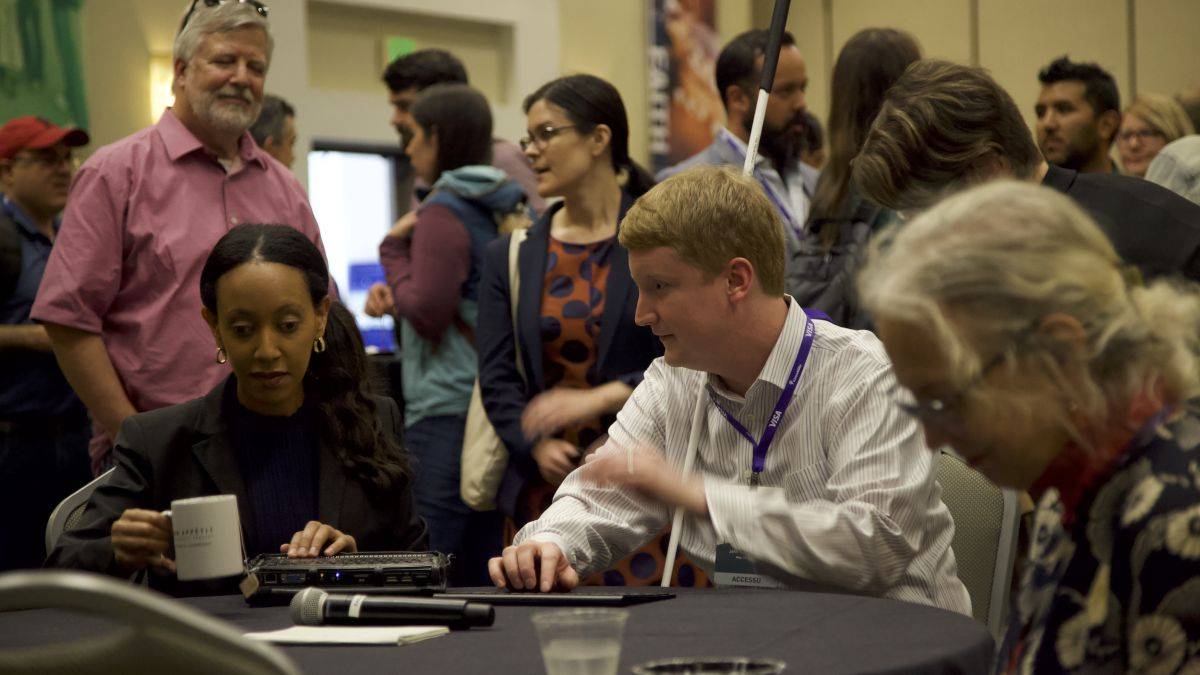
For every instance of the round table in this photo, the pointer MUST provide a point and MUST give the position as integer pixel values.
(812, 632)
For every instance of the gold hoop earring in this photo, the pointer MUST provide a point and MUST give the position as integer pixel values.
(221, 356)
(319, 345)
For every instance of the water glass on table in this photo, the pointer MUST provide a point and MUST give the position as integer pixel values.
(711, 666)
(581, 641)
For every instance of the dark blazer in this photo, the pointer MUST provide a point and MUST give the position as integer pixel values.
(184, 451)
(625, 349)
(1150, 227)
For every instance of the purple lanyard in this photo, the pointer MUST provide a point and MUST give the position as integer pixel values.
(789, 390)
(783, 210)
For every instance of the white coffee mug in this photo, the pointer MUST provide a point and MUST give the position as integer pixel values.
(208, 537)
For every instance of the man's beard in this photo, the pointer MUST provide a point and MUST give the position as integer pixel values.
(228, 118)
(780, 145)
(1078, 149)
(1077, 157)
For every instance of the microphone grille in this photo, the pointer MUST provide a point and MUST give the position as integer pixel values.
(306, 607)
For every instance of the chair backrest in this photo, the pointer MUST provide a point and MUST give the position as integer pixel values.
(65, 517)
(159, 635)
(985, 537)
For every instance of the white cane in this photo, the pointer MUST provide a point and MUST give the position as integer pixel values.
(689, 457)
(770, 60)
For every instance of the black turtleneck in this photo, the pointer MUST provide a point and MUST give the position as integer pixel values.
(278, 460)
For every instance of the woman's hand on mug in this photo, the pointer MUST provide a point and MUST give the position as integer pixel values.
(308, 543)
(142, 538)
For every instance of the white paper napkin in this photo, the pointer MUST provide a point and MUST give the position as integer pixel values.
(349, 635)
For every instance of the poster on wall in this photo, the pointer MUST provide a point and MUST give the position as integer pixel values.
(685, 108)
(41, 72)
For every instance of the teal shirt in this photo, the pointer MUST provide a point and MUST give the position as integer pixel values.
(438, 377)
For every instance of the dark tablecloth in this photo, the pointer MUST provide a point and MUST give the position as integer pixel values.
(811, 632)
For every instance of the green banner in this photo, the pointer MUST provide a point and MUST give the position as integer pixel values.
(41, 68)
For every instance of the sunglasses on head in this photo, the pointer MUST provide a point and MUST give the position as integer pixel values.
(259, 7)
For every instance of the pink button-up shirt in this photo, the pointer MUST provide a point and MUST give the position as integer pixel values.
(142, 216)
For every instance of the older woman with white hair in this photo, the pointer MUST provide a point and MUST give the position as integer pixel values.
(1022, 341)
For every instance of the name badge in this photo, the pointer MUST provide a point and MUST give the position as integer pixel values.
(732, 568)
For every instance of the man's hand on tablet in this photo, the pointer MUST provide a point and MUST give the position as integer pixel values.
(533, 566)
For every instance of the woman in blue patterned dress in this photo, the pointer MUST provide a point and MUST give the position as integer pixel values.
(1022, 341)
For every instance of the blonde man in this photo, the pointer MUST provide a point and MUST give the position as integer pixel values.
(837, 491)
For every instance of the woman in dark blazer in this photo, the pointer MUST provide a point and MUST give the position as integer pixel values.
(581, 351)
(294, 432)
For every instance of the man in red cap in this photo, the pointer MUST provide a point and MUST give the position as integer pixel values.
(43, 426)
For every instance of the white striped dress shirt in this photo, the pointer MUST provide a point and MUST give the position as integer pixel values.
(847, 495)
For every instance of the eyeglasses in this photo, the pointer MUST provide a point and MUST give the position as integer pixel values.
(50, 158)
(262, 9)
(541, 136)
(946, 412)
(1142, 135)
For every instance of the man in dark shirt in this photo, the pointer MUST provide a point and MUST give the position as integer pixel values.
(44, 428)
(944, 127)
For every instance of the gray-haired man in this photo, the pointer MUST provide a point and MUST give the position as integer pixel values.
(120, 297)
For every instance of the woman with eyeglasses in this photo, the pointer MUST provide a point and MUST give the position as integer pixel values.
(580, 351)
(1024, 343)
(1148, 124)
(432, 258)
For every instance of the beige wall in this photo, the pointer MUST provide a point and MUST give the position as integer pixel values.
(608, 39)
(119, 37)
(1167, 49)
(1012, 38)
(1021, 36)
(328, 58)
(345, 46)
(512, 46)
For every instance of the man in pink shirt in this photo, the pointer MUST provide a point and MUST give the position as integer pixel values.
(120, 297)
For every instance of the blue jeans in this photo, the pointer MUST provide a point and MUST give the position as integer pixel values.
(472, 537)
(40, 464)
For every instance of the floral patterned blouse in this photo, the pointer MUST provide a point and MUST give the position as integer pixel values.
(1113, 585)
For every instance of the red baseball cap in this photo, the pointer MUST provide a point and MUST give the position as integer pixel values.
(35, 133)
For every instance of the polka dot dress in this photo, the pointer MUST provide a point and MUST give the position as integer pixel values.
(571, 321)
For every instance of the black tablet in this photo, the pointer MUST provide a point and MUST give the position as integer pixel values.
(586, 596)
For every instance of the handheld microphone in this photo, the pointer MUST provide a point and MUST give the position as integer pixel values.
(314, 607)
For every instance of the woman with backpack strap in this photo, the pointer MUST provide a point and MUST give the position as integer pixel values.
(432, 259)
